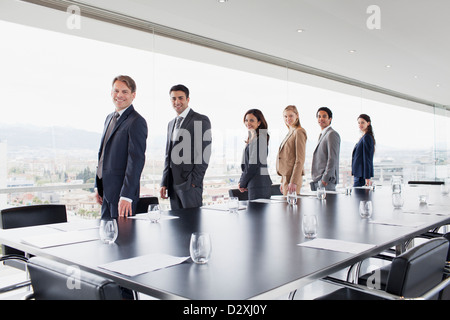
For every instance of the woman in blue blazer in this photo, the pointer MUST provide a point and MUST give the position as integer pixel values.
(362, 156)
(255, 177)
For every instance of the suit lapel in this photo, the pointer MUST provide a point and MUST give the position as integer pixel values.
(323, 137)
(121, 119)
(286, 139)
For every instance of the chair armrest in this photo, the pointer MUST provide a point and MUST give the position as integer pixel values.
(385, 295)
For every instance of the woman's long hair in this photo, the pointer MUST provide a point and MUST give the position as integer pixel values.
(369, 127)
(260, 117)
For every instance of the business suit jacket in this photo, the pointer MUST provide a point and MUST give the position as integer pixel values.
(362, 158)
(325, 162)
(255, 176)
(123, 160)
(187, 159)
(291, 159)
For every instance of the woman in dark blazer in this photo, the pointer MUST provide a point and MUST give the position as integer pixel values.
(362, 156)
(255, 177)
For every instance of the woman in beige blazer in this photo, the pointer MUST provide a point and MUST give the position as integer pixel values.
(291, 155)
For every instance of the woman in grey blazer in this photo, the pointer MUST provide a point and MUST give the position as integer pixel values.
(255, 176)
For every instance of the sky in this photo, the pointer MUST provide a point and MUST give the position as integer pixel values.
(54, 79)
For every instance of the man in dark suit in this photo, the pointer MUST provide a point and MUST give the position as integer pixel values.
(122, 153)
(188, 150)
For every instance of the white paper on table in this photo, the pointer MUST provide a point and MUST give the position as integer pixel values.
(138, 265)
(337, 245)
(59, 239)
(399, 223)
(76, 225)
(268, 200)
(143, 216)
(222, 207)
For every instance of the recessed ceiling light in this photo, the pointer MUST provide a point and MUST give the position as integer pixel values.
(388, 66)
(438, 85)
(222, 1)
(416, 77)
(352, 51)
(300, 30)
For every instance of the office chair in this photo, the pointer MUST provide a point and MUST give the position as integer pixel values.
(26, 216)
(435, 183)
(415, 274)
(275, 190)
(242, 196)
(144, 202)
(53, 280)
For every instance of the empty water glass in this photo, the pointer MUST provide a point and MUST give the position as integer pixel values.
(309, 225)
(154, 213)
(200, 247)
(292, 198)
(321, 193)
(108, 230)
(233, 204)
(423, 195)
(365, 208)
(397, 200)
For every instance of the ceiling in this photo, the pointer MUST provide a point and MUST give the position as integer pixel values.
(413, 39)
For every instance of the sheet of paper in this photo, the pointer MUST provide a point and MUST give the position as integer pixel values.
(76, 225)
(143, 264)
(60, 239)
(143, 216)
(268, 200)
(397, 222)
(222, 207)
(337, 245)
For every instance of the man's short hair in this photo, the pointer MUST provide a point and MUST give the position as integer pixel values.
(180, 87)
(127, 80)
(327, 110)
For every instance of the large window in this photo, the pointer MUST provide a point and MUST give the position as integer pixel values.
(56, 95)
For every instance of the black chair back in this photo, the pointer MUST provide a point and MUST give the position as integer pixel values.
(419, 269)
(275, 190)
(435, 183)
(27, 216)
(242, 196)
(144, 202)
(52, 280)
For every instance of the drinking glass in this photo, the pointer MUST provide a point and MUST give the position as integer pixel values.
(309, 224)
(365, 208)
(233, 204)
(292, 198)
(200, 247)
(397, 200)
(154, 213)
(423, 195)
(396, 183)
(321, 193)
(108, 230)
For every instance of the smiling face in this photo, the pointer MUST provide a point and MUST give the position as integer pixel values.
(290, 118)
(251, 122)
(363, 125)
(323, 119)
(179, 101)
(121, 95)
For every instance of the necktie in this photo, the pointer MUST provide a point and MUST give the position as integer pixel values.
(178, 122)
(111, 126)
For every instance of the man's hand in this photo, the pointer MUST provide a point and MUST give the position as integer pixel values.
(163, 192)
(98, 198)
(125, 208)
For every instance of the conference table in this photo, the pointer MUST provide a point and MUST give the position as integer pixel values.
(259, 252)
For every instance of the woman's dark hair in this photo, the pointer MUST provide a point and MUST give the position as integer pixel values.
(259, 115)
(369, 127)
